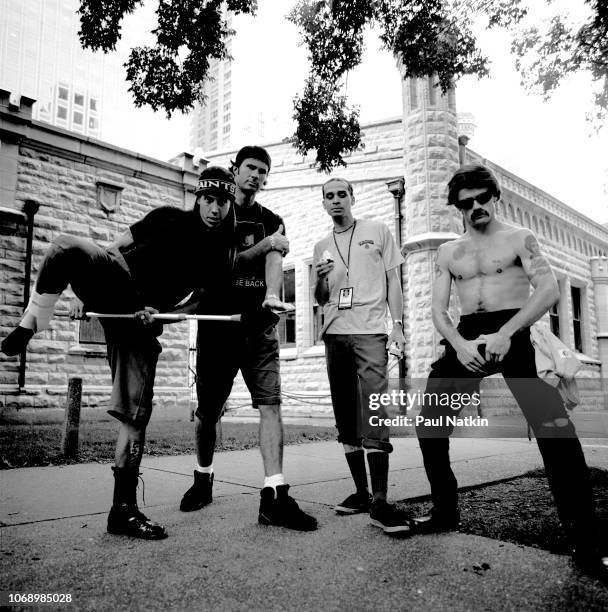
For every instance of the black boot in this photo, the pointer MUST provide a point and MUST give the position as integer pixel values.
(199, 494)
(125, 517)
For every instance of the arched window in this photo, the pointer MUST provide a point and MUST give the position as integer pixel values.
(519, 217)
(527, 219)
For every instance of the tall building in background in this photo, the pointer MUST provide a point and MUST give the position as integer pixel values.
(211, 125)
(243, 104)
(41, 57)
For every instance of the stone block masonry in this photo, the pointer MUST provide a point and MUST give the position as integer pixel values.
(62, 172)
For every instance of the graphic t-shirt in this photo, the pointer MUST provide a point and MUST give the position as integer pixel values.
(373, 253)
(174, 252)
(253, 224)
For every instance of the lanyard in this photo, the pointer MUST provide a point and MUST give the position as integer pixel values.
(350, 242)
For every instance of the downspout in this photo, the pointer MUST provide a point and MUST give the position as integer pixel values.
(397, 189)
(30, 208)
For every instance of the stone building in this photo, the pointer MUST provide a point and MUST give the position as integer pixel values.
(399, 177)
(53, 181)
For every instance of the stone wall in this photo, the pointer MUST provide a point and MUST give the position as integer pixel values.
(569, 239)
(294, 192)
(64, 173)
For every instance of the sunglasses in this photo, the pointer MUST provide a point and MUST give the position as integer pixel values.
(468, 203)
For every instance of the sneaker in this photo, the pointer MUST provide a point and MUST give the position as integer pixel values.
(389, 518)
(199, 494)
(437, 522)
(126, 519)
(355, 503)
(283, 510)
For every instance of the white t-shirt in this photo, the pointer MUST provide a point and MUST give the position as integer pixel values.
(373, 253)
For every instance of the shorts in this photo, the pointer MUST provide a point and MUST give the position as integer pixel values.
(101, 279)
(133, 352)
(225, 348)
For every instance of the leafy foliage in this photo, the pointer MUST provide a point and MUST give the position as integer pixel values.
(426, 36)
(545, 55)
(170, 74)
(325, 122)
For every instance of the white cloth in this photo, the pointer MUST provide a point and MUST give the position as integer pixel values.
(556, 364)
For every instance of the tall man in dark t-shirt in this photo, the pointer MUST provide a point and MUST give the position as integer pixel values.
(153, 266)
(252, 347)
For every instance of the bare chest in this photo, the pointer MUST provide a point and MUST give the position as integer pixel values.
(487, 259)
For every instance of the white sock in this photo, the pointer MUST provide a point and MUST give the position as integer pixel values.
(205, 470)
(39, 311)
(274, 481)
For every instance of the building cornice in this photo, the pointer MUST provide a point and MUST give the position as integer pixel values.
(65, 144)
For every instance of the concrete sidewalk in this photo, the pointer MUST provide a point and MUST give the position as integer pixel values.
(53, 539)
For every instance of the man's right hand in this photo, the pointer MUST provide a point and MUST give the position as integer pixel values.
(469, 356)
(278, 242)
(324, 268)
(77, 310)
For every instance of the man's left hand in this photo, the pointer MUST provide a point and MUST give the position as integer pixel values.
(497, 346)
(396, 338)
(145, 315)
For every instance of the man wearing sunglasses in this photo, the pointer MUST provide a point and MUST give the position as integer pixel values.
(493, 264)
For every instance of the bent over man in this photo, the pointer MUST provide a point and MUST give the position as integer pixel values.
(357, 276)
(152, 267)
(492, 266)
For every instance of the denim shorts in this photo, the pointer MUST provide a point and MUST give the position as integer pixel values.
(225, 348)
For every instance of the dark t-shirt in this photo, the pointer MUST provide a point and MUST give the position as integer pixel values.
(253, 224)
(174, 252)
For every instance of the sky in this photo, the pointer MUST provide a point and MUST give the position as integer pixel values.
(548, 143)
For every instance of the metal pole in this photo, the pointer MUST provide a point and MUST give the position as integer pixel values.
(69, 444)
(30, 208)
(397, 189)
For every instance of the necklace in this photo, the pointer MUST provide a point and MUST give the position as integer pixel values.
(345, 230)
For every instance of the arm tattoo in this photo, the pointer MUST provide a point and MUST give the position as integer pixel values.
(539, 266)
(438, 270)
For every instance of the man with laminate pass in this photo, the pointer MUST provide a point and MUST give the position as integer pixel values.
(357, 276)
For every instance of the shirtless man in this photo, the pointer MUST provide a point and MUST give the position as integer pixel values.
(493, 265)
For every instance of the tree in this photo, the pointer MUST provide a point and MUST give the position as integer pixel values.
(170, 75)
(549, 52)
(428, 36)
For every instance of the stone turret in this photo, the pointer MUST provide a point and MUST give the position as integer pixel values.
(431, 157)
